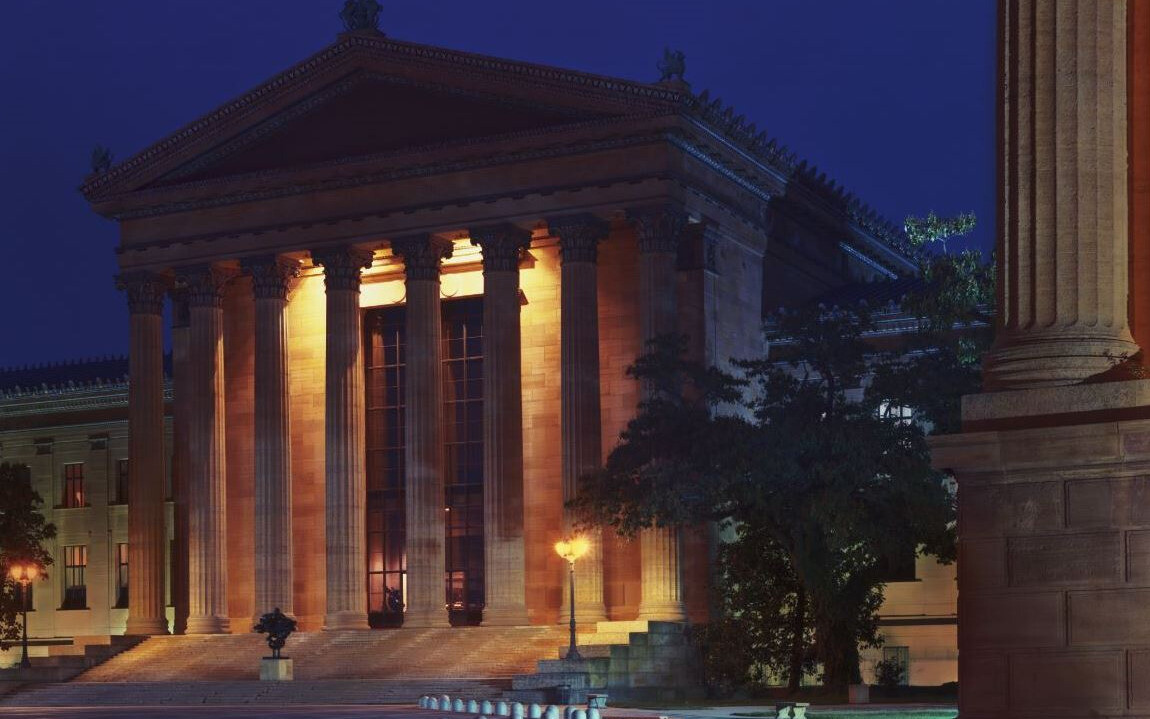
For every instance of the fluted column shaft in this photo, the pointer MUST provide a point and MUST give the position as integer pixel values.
(147, 538)
(658, 230)
(207, 482)
(581, 420)
(180, 397)
(423, 431)
(1062, 244)
(345, 440)
(273, 480)
(505, 576)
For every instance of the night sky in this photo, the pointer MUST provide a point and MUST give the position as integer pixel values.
(893, 98)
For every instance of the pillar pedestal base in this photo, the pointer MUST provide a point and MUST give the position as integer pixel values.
(208, 625)
(148, 627)
(506, 617)
(663, 612)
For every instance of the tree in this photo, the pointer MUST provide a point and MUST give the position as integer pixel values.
(23, 532)
(827, 492)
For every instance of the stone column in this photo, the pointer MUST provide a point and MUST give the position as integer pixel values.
(503, 559)
(658, 229)
(423, 431)
(147, 539)
(1062, 249)
(344, 435)
(273, 480)
(181, 392)
(581, 422)
(207, 497)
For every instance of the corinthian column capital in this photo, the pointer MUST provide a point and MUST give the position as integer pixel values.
(341, 266)
(271, 275)
(501, 245)
(579, 236)
(421, 255)
(145, 290)
(206, 284)
(659, 227)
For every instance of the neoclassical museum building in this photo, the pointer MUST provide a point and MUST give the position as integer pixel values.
(404, 283)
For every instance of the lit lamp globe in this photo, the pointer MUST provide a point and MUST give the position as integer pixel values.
(24, 574)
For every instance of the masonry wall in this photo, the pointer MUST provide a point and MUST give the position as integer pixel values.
(100, 524)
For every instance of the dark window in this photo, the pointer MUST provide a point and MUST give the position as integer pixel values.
(463, 441)
(898, 657)
(902, 569)
(121, 492)
(73, 485)
(386, 517)
(75, 588)
(121, 576)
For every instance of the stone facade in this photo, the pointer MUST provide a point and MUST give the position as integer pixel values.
(287, 225)
(1051, 461)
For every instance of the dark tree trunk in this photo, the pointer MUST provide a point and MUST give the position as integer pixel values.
(798, 630)
(840, 657)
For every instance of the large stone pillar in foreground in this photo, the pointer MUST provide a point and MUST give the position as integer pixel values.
(423, 433)
(1062, 249)
(345, 509)
(147, 538)
(581, 420)
(1054, 506)
(505, 575)
(658, 229)
(273, 480)
(207, 496)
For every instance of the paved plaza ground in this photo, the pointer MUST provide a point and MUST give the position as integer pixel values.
(396, 711)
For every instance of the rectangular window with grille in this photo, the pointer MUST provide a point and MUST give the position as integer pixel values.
(463, 440)
(898, 657)
(75, 586)
(121, 576)
(73, 485)
(121, 489)
(384, 351)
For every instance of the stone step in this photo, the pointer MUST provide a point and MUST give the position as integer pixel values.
(575, 680)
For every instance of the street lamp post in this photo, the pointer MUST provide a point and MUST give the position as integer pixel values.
(24, 574)
(572, 549)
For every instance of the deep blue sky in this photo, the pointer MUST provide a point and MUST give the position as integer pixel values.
(894, 98)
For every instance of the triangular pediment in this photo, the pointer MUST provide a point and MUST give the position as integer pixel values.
(368, 95)
(366, 115)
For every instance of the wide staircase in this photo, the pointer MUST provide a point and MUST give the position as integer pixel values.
(633, 660)
(330, 667)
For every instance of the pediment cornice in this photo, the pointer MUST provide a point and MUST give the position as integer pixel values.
(402, 61)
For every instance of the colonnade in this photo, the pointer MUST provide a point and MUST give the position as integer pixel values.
(658, 229)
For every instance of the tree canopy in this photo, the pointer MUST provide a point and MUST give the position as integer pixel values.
(23, 532)
(825, 490)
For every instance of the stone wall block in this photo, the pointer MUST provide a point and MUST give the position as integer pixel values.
(1099, 618)
(1065, 559)
(1138, 678)
(983, 564)
(987, 671)
(1018, 508)
(1138, 557)
(1110, 502)
(1017, 619)
(1055, 681)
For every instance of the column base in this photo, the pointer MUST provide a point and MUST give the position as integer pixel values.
(663, 612)
(425, 619)
(150, 626)
(208, 625)
(345, 621)
(506, 616)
